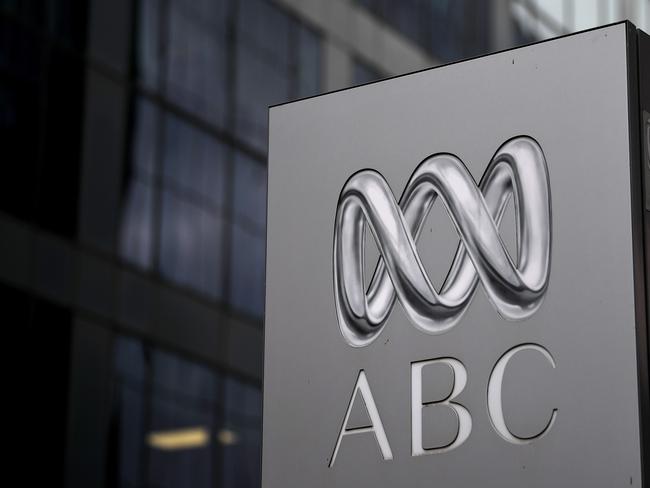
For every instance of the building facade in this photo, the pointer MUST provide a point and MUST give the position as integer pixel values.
(132, 208)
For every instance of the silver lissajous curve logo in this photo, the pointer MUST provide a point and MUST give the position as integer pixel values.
(515, 287)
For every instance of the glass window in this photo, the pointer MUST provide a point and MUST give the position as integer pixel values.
(405, 16)
(148, 43)
(309, 63)
(192, 222)
(263, 27)
(243, 414)
(253, 97)
(191, 250)
(175, 421)
(194, 162)
(274, 47)
(448, 30)
(197, 58)
(189, 213)
(136, 225)
(144, 139)
(248, 236)
(250, 190)
(363, 73)
(183, 398)
(136, 221)
(247, 277)
(128, 413)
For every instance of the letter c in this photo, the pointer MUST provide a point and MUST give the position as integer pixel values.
(495, 405)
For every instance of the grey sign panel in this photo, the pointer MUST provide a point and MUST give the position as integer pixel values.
(450, 296)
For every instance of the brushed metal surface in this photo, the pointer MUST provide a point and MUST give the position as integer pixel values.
(570, 95)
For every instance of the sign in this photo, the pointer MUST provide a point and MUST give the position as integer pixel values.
(450, 276)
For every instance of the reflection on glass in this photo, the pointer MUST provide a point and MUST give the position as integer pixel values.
(192, 212)
(136, 224)
(243, 414)
(253, 98)
(194, 162)
(128, 412)
(274, 47)
(177, 439)
(250, 190)
(364, 73)
(448, 30)
(262, 53)
(148, 42)
(192, 225)
(176, 422)
(196, 58)
(248, 236)
(265, 29)
(183, 397)
(191, 248)
(309, 63)
(247, 278)
(549, 18)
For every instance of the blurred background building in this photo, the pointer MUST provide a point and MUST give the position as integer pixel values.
(132, 208)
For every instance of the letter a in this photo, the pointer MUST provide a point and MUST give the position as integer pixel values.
(376, 427)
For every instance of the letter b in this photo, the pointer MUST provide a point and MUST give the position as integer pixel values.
(417, 406)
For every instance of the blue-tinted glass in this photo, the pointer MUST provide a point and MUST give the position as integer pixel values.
(405, 16)
(130, 412)
(250, 190)
(183, 396)
(248, 234)
(210, 12)
(243, 400)
(181, 376)
(190, 467)
(128, 408)
(129, 362)
(148, 43)
(264, 28)
(144, 139)
(194, 170)
(159, 395)
(180, 244)
(241, 466)
(309, 62)
(135, 232)
(191, 247)
(212, 257)
(253, 97)
(194, 161)
(364, 73)
(378, 7)
(197, 60)
(136, 220)
(247, 276)
(447, 29)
